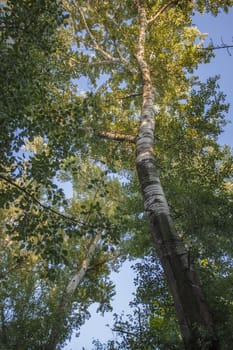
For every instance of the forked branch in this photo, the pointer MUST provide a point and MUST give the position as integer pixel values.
(108, 58)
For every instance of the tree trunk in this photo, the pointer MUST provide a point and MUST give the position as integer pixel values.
(190, 304)
(191, 307)
(61, 313)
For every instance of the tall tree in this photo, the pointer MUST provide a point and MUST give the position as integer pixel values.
(137, 57)
(144, 48)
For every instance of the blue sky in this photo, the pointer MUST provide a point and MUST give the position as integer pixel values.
(218, 29)
(95, 328)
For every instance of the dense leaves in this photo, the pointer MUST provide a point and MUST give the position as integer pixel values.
(71, 90)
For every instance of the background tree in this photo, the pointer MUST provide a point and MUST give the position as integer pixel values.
(51, 276)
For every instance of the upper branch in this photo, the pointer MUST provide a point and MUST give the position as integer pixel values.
(122, 60)
(73, 61)
(97, 47)
(161, 10)
(94, 42)
(108, 57)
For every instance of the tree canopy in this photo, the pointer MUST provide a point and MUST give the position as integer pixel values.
(104, 95)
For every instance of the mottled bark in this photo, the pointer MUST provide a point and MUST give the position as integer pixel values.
(191, 307)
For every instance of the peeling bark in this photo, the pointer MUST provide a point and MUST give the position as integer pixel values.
(191, 307)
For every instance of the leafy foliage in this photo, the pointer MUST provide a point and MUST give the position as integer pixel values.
(52, 131)
(152, 323)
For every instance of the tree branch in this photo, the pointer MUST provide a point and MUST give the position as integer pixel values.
(220, 47)
(116, 136)
(34, 199)
(109, 58)
(129, 96)
(93, 63)
(95, 44)
(120, 330)
(48, 208)
(161, 11)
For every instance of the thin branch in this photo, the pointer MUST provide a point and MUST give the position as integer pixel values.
(93, 63)
(120, 330)
(220, 47)
(161, 11)
(116, 136)
(104, 53)
(48, 208)
(34, 199)
(95, 44)
(129, 96)
(125, 62)
(105, 62)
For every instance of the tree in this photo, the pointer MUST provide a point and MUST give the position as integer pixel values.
(43, 246)
(132, 38)
(136, 57)
(152, 324)
(53, 275)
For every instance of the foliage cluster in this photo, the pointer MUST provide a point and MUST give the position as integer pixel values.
(52, 132)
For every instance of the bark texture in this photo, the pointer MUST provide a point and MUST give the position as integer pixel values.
(191, 307)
